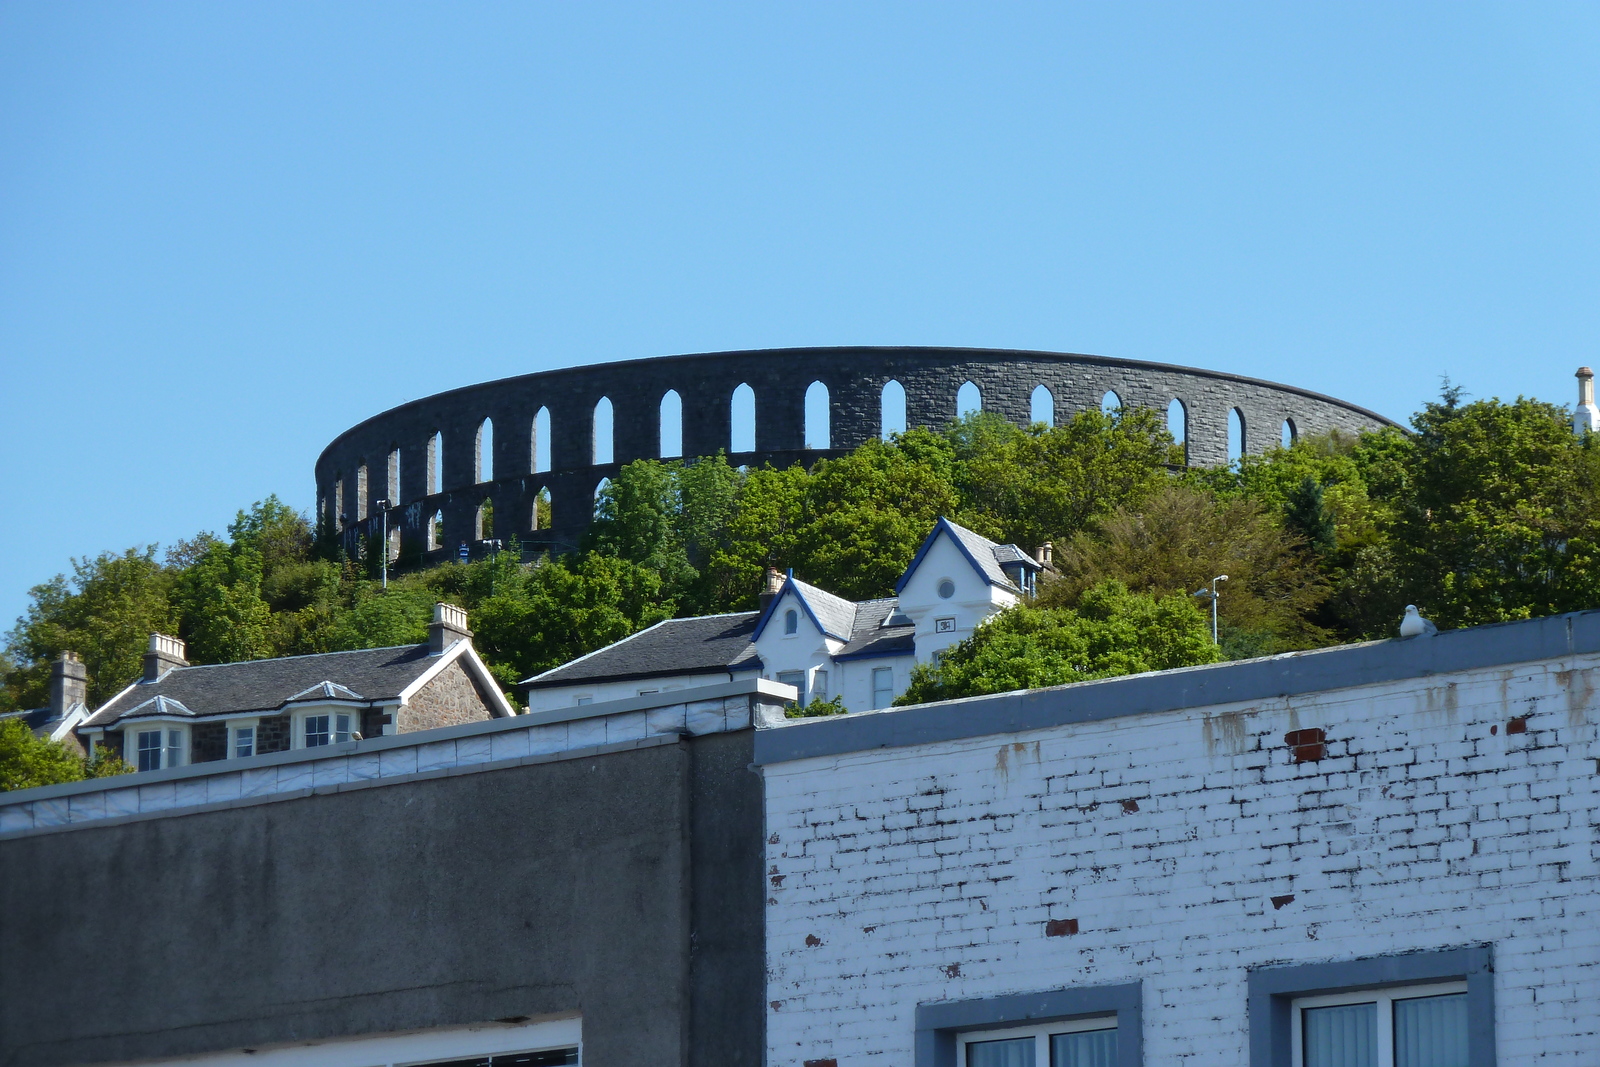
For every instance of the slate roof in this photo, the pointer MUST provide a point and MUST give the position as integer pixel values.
(984, 554)
(835, 614)
(35, 718)
(264, 686)
(870, 637)
(674, 647)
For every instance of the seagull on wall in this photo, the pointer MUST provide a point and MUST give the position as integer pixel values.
(1414, 625)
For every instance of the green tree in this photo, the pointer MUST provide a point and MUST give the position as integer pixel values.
(1181, 538)
(762, 531)
(222, 615)
(1111, 632)
(27, 761)
(638, 517)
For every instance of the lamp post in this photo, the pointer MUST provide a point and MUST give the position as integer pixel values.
(1211, 595)
(383, 544)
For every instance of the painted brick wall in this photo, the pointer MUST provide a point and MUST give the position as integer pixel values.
(1188, 847)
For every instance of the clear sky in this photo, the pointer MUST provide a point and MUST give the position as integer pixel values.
(229, 231)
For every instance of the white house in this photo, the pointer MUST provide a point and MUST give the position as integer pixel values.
(1380, 855)
(824, 646)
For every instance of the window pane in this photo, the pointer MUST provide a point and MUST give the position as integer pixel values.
(1088, 1048)
(344, 729)
(1342, 1036)
(150, 751)
(316, 730)
(1431, 1031)
(245, 742)
(1016, 1052)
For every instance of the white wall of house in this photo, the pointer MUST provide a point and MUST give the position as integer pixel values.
(806, 651)
(1188, 847)
(973, 599)
(599, 692)
(857, 682)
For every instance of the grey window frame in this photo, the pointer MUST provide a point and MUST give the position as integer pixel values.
(1273, 990)
(939, 1023)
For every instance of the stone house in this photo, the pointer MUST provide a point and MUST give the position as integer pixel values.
(822, 645)
(177, 714)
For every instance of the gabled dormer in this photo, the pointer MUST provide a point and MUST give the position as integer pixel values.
(956, 580)
(799, 632)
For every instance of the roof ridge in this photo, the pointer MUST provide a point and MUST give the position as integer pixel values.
(298, 655)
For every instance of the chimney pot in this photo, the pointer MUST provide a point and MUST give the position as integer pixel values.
(1585, 417)
(449, 626)
(69, 684)
(771, 585)
(164, 654)
(1046, 554)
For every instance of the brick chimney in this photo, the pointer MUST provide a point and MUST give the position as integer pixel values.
(1585, 417)
(165, 653)
(449, 626)
(771, 585)
(69, 684)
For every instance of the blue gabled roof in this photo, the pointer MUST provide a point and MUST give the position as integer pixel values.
(834, 616)
(981, 552)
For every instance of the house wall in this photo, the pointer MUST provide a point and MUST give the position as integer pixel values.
(975, 599)
(602, 691)
(856, 678)
(449, 699)
(1180, 848)
(413, 888)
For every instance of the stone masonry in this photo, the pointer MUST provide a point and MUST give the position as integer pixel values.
(1180, 848)
(449, 699)
(353, 472)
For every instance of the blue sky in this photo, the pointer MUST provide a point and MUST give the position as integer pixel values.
(229, 231)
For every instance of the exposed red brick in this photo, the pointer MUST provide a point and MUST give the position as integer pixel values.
(1519, 725)
(1130, 806)
(952, 971)
(1278, 902)
(1309, 753)
(1312, 736)
(822, 1063)
(1060, 927)
(812, 940)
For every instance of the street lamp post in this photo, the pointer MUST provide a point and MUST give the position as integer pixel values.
(1211, 595)
(383, 544)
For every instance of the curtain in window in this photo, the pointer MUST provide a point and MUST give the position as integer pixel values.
(1431, 1031)
(1015, 1052)
(1342, 1036)
(1089, 1048)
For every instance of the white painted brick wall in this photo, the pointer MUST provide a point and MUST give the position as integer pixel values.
(927, 873)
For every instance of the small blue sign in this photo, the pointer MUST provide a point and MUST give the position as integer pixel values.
(463, 553)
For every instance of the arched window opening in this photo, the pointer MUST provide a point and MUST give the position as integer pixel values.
(1290, 433)
(791, 621)
(1042, 406)
(338, 515)
(743, 413)
(485, 452)
(436, 531)
(969, 401)
(1178, 421)
(1236, 435)
(361, 492)
(541, 441)
(394, 543)
(485, 523)
(671, 425)
(392, 481)
(892, 409)
(541, 510)
(600, 492)
(819, 431)
(1111, 403)
(436, 464)
(603, 437)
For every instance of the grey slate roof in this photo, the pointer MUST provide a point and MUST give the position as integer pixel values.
(836, 614)
(676, 646)
(34, 718)
(984, 552)
(266, 685)
(871, 637)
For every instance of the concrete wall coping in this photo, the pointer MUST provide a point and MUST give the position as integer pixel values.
(1287, 675)
(718, 708)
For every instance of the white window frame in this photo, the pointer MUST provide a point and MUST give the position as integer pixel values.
(168, 731)
(237, 727)
(1040, 1034)
(302, 721)
(800, 689)
(889, 671)
(582, 699)
(1383, 998)
(791, 622)
(938, 588)
(819, 683)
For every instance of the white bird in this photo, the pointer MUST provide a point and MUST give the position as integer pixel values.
(1414, 625)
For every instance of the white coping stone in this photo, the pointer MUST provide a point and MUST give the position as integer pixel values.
(157, 796)
(398, 761)
(474, 750)
(258, 781)
(294, 776)
(223, 787)
(509, 746)
(436, 756)
(122, 802)
(330, 772)
(705, 717)
(632, 726)
(586, 732)
(15, 818)
(548, 740)
(189, 793)
(364, 766)
(86, 808)
(50, 812)
(666, 720)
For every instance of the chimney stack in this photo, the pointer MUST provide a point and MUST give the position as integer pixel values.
(69, 684)
(1046, 555)
(165, 653)
(449, 626)
(1585, 417)
(771, 585)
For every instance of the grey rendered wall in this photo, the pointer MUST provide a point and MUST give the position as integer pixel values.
(557, 887)
(855, 378)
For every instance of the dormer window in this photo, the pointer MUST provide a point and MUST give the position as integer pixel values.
(331, 728)
(947, 589)
(791, 622)
(160, 748)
